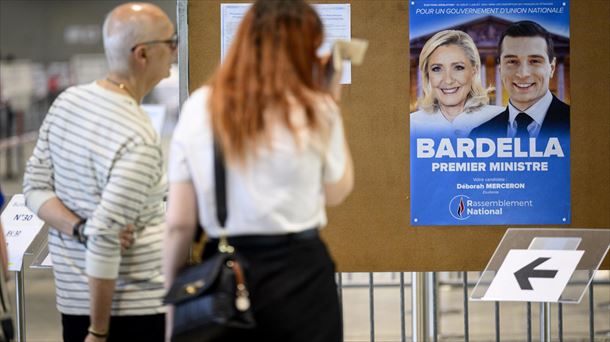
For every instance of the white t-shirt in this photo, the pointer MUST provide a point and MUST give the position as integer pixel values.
(280, 190)
(435, 124)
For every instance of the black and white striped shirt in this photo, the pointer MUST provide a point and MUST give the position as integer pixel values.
(99, 154)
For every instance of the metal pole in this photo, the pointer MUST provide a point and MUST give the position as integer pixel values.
(419, 309)
(529, 321)
(403, 334)
(183, 51)
(545, 322)
(10, 119)
(20, 304)
(497, 316)
(19, 130)
(340, 288)
(372, 305)
(432, 295)
(466, 332)
(560, 321)
(591, 314)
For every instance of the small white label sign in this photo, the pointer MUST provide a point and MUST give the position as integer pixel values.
(533, 275)
(20, 228)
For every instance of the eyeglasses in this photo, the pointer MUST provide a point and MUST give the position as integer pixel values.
(172, 42)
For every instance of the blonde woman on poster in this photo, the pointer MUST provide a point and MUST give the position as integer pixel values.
(454, 100)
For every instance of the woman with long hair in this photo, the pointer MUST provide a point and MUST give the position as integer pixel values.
(286, 156)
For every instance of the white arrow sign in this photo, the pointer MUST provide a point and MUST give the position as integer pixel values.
(533, 275)
(20, 228)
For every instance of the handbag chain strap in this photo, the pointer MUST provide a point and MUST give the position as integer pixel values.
(221, 197)
(242, 296)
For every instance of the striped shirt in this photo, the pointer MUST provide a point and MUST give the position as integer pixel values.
(99, 154)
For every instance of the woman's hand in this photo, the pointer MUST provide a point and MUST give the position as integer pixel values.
(331, 77)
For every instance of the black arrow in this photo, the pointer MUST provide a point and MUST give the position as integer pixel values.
(529, 271)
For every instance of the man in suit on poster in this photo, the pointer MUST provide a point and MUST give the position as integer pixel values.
(527, 64)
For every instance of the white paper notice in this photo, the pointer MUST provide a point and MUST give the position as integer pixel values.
(336, 19)
(20, 228)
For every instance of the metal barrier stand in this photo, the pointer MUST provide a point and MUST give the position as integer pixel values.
(465, 289)
(20, 304)
(545, 322)
(529, 321)
(591, 314)
(183, 50)
(419, 300)
(403, 333)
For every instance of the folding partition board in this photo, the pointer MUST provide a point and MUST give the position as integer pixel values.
(371, 230)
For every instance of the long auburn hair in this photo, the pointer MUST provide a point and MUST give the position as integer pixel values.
(271, 64)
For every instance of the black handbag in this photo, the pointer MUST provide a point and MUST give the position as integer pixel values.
(211, 299)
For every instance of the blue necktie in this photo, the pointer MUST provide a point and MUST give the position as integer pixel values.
(523, 120)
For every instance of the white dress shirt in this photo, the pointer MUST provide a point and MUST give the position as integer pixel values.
(435, 123)
(537, 112)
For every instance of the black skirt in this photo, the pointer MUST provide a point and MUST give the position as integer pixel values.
(291, 279)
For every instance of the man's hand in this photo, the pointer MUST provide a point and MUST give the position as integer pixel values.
(61, 218)
(91, 338)
(127, 237)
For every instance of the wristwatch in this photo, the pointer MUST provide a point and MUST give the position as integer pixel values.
(78, 231)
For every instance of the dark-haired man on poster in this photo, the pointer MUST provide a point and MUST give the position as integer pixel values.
(527, 64)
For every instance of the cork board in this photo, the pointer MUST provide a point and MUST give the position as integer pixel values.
(371, 231)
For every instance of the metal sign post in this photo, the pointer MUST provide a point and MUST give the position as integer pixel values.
(420, 307)
(183, 50)
(20, 304)
(21, 228)
(543, 265)
(545, 322)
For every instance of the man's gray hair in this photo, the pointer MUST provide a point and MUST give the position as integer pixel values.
(120, 35)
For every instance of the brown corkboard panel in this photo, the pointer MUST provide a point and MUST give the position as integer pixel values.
(371, 231)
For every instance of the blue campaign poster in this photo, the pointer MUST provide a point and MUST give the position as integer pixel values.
(489, 112)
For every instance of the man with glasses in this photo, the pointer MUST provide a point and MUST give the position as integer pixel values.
(172, 42)
(97, 168)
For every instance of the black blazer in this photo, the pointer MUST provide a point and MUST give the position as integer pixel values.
(556, 123)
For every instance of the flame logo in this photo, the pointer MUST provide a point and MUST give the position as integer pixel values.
(460, 209)
(457, 207)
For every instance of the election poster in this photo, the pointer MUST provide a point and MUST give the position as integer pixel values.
(489, 112)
